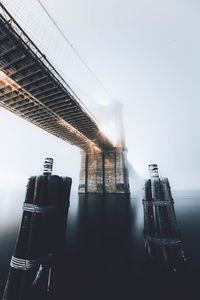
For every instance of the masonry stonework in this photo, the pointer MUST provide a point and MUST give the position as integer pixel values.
(104, 172)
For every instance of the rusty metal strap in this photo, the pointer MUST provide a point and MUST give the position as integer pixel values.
(163, 241)
(38, 209)
(28, 264)
(157, 203)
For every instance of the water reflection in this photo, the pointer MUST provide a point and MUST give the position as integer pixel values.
(104, 256)
(101, 257)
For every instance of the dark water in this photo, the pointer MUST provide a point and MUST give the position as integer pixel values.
(105, 256)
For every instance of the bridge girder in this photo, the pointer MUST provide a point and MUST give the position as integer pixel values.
(31, 88)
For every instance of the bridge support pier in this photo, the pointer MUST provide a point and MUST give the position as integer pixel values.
(104, 172)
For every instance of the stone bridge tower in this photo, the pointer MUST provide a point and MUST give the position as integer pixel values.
(106, 171)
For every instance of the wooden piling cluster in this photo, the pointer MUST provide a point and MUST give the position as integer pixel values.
(161, 233)
(40, 237)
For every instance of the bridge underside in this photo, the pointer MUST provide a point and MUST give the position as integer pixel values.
(32, 88)
(104, 172)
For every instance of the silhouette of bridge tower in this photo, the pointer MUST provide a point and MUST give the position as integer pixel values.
(33, 89)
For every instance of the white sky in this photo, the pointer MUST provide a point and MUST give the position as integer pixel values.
(146, 53)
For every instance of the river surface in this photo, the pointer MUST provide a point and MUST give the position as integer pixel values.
(105, 255)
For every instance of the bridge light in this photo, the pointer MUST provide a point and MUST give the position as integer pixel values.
(7, 81)
(4, 79)
(91, 145)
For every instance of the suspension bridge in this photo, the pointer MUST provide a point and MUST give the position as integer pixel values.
(33, 89)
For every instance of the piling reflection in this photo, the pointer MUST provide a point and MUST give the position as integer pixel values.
(161, 232)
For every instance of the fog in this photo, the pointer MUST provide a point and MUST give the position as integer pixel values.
(146, 54)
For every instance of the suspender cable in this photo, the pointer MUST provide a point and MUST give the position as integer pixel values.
(75, 51)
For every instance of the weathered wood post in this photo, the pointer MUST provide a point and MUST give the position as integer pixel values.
(161, 233)
(148, 218)
(41, 231)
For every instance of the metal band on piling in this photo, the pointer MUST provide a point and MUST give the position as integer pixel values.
(157, 203)
(163, 241)
(48, 166)
(38, 209)
(27, 264)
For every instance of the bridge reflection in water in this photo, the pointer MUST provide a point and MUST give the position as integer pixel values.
(100, 258)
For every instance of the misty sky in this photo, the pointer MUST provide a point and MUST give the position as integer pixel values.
(146, 54)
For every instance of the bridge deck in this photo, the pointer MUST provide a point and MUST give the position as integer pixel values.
(31, 88)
